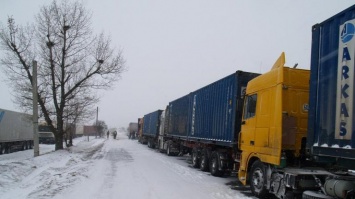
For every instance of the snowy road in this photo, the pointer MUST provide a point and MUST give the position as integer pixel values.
(107, 169)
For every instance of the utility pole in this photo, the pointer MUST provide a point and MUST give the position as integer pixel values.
(97, 116)
(35, 109)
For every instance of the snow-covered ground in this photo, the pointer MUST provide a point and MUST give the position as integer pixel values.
(101, 168)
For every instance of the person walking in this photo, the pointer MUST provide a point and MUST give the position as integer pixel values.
(108, 133)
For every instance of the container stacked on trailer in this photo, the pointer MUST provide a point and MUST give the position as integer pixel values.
(289, 132)
(175, 126)
(16, 131)
(297, 135)
(150, 131)
(206, 123)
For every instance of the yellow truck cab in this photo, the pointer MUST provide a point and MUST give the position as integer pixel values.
(274, 123)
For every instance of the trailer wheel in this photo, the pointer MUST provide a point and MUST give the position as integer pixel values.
(2, 149)
(168, 150)
(5, 149)
(258, 179)
(214, 165)
(204, 164)
(159, 146)
(195, 159)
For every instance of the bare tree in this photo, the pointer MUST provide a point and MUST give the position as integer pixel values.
(72, 63)
(79, 109)
(101, 127)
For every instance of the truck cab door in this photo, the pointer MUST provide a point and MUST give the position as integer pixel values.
(247, 137)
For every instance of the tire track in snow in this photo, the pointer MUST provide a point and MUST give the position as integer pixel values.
(114, 156)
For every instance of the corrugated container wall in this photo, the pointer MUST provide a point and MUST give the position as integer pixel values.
(179, 117)
(15, 126)
(217, 109)
(331, 121)
(151, 123)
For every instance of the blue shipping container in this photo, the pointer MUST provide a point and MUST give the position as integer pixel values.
(151, 124)
(331, 121)
(179, 117)
(217, 109)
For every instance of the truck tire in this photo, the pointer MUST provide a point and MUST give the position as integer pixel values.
(204, 160)
(215, 165)
(159, 146)
(195, 158)
(152, 144)
(257, 179)
(2, 149)
(5, 149)
(168, 152)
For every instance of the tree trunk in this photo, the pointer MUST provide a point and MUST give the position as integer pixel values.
(59, 140)
(71, 138)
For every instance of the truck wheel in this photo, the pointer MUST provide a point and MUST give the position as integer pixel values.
(204, 164)
(258, 179)
(168, 152)
(214, 165)
(159, 146)
(5, 149)
(194, 157)
(2, 149)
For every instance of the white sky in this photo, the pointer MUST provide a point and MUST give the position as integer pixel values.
(173, 47)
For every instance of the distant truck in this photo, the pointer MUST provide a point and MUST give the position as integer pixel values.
(132, 130)
(140, 129)
(16, 131)
(45, 135)
(79, 130)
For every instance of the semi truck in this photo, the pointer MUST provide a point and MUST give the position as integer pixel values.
(132, 130)
(288, 132)
(150, 130)
(16, 131)
(45, 135)
(79, 130)
(140, 129)
(206, 122)
(297, 128)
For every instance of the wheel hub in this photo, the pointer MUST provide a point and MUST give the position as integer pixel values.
(258, 180)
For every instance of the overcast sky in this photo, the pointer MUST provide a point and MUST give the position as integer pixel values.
(173, 47)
